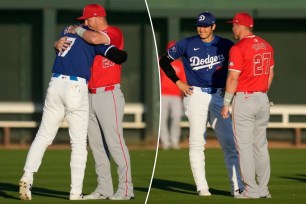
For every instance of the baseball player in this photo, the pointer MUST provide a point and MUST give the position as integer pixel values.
(67, 97)
(205, 58)
(171, 106)
(250, 76)
(105, 132)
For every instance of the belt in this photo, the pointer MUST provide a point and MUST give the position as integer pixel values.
(67, 77)
(104, 89)
(252, 92)
(208, 90)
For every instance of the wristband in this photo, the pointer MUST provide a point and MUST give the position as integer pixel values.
(80, 31)
(227, 99)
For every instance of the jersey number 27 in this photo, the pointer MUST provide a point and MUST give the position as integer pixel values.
(261, 63)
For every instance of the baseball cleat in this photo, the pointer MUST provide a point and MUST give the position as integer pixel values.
(25, 189)
(237, 192)
(118, 196)
(76, 196)
(95, 196)
(266, 196)
(204, 192)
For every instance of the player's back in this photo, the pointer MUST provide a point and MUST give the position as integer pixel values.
(77, 59)
(254, 57)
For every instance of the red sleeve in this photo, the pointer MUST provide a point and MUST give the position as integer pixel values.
(235, 59)
(115, 36)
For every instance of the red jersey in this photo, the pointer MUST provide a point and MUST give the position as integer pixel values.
(167, 86)
(253, 57)
(103, 71)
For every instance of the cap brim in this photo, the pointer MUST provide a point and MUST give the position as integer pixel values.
(83, 17)
(203, 24)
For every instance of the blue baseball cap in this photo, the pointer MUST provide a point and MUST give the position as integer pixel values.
(205, 19)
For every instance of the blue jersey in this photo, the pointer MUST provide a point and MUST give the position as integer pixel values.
(205, 64)
(78, 58)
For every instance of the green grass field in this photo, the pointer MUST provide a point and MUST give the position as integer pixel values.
(52, 182)
(173, 182)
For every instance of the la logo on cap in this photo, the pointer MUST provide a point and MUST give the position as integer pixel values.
(201, 18)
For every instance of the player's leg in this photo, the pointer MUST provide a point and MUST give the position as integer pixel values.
(110, 116)
(164, 130)
(196, 109)
(100, 153)
(224, 133)
(77, 111)
(176, 114)
(53, 114)
(243, 125)
(261, 153)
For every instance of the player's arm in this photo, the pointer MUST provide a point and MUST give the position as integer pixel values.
(165, 64)
(112, 53)
(271, 76)
(92, 37)
(230, 90)
(62, 44)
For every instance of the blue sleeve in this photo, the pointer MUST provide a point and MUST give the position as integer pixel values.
(177, 50)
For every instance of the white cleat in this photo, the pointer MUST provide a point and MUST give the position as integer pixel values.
(204, 192)
(95, 196)
(266, 196)
(76, 197)
(118, 196)
(25, 189)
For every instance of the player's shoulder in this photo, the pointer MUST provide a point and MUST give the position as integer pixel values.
(191, 39)
(265, 41)
(113, 29)
(188, 41)
(222, 42)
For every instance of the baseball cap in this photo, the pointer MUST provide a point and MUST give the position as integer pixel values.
(92, 10)
(243, 19)
(205, 19)
(170, 44)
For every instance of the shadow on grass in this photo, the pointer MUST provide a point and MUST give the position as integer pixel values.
(4, 187)
(298, 177)
(142, 189)
(180, 187)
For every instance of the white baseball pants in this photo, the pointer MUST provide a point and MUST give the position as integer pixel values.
(200, 108)
(65, 98)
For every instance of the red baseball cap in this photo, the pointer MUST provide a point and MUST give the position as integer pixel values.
(243, 19)
(92, 10)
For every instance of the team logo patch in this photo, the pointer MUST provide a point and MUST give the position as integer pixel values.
(201, 18)
(231, 64)
(173, 48)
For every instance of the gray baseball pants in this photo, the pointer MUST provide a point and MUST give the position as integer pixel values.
(251, 114)
(105, 136)
(172, 106)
